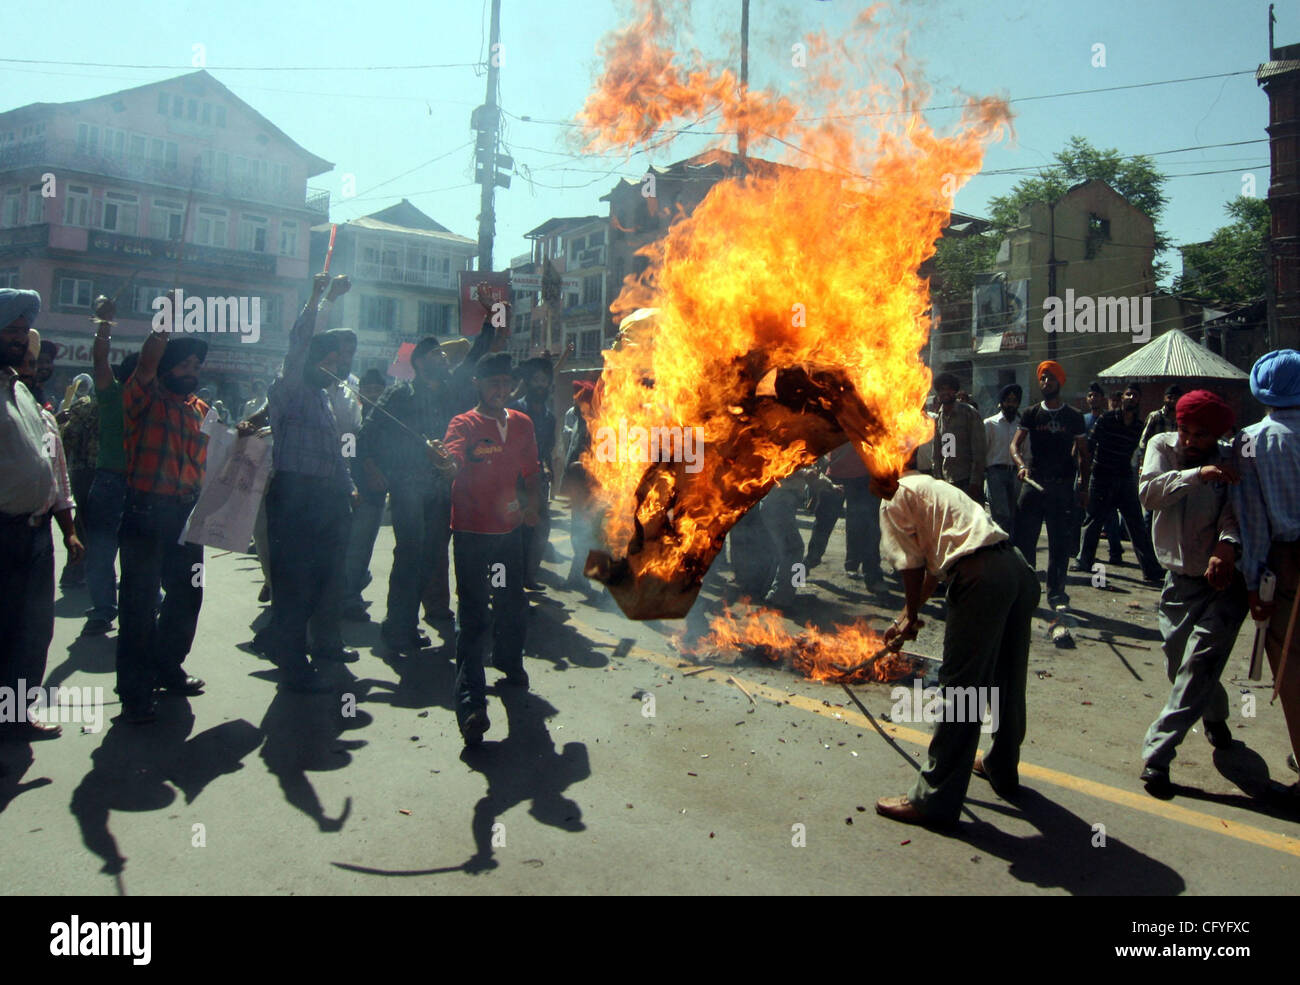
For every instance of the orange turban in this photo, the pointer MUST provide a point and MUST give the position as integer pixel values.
(1053, 367)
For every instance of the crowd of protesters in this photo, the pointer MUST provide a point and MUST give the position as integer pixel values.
(466, 454)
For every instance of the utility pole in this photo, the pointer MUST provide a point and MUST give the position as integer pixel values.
(486, 120)
(742, 137)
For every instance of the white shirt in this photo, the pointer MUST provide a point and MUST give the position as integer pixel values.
(27, 482)
(998, 432)
(932, 524)
(346, 405)
(1189, 516)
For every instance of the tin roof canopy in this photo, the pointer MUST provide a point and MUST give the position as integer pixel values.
(1172, 354)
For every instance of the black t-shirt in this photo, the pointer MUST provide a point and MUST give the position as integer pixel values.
(1113, 443)
(1051, 439)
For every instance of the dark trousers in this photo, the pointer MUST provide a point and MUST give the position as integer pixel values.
(79, 480)
(536, 539)
(991, 598)
(861, 528)
(27, 587)
(489, 572)
(367, 518)
(436, 597)
(752, 554)
(1055, 506)
(307, 522)
(421, 526)
(1000, 488)
(830, 504)
(103, 519)
(1106, 494)
(154, 639)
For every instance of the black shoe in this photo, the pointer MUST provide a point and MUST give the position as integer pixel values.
(1219, 734)
(472, 728)
(516, 678)
(1115, 559)
(534, 586)
(139, 714)
(183, 685)
(1291, 762)
(811, 562)
(1156, 779)
(96, 627)
(414, 643)
(264, 595)
(355, 613)
(1083, 566)
(343, 655)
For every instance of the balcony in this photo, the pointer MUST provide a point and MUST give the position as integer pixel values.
(392, 274)
(65, 154)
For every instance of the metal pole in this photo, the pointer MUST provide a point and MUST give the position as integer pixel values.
(487, 213)
(742, 138)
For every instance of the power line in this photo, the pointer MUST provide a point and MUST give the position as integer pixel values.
(244, 68)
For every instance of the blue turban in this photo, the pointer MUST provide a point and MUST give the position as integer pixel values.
(14, 304)
(1275, 378)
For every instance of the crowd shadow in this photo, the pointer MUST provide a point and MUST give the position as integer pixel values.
(86, 654)
(1067, 852)
(524, 766)
(554, 636)
(16, 758)
(134, 765)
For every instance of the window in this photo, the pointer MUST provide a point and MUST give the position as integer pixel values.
(377, 312)
(211, 227)
(591, 289)
(576, 246)
(1098, 233)
(137, 149)
(288, 239)
(173, 154)
(222, 165)
(35, 205)
(156, 152)
(253, 233)
(164, 101)
(590, 343)
(428, 322)
(596, 239)
(143, 298)
(74, 292)
(221, 116)
(165, 219)
(10, 216)
(76, 211)
(115, 143)
(207, 114)
(121, 213)
(87, 139)
(280, 175)
(192, 110)
(9, 278)
(178, 107)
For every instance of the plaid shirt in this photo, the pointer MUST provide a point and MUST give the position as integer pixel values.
(307, 438)
(165, 450)
(81, 435)
(1267, 500)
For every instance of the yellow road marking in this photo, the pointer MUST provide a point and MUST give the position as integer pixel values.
(1101, 791)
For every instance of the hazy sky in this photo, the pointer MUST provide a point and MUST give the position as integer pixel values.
(406, 133)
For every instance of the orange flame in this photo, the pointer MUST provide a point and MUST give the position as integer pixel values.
(812, 263)
(832, 657)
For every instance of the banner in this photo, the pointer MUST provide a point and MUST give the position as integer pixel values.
(233, 484)
(999, 313)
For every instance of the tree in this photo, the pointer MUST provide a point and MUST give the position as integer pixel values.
(957, 260)
(1229, 268)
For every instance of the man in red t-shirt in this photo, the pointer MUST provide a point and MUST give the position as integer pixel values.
(494, 449)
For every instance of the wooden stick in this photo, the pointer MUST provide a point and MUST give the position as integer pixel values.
(696, 670)
(743, 691)
(1098, 639)
(1286, 645)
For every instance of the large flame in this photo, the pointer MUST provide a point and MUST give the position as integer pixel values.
(811, 264)
(833, 657)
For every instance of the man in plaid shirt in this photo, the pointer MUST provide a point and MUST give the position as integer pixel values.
(165, 457)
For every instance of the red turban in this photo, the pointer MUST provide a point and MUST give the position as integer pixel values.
(1053, 367)
(1201, 408)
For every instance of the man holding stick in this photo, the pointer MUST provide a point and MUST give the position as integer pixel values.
(931, 532)
(1267, 503)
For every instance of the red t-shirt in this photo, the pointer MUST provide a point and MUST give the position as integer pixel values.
(484, 497)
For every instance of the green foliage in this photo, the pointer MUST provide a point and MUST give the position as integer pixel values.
(1229, 268)
(956, 262)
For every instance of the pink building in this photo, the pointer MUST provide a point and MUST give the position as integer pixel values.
(174, 184)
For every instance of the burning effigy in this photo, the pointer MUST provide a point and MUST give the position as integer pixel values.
(786, 312)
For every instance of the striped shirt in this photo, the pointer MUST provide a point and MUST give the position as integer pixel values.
(307, 438)
(165, 450)
(1267, 501)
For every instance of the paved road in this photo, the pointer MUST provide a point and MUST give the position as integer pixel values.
(580, 789)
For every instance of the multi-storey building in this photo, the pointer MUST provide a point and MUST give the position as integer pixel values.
(569, 255)
(405, 269)
(177, 183)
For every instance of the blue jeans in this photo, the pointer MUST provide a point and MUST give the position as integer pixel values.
(153, 640)
(367, 518)
(103, 518)
(479, 582)
(861, 528)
